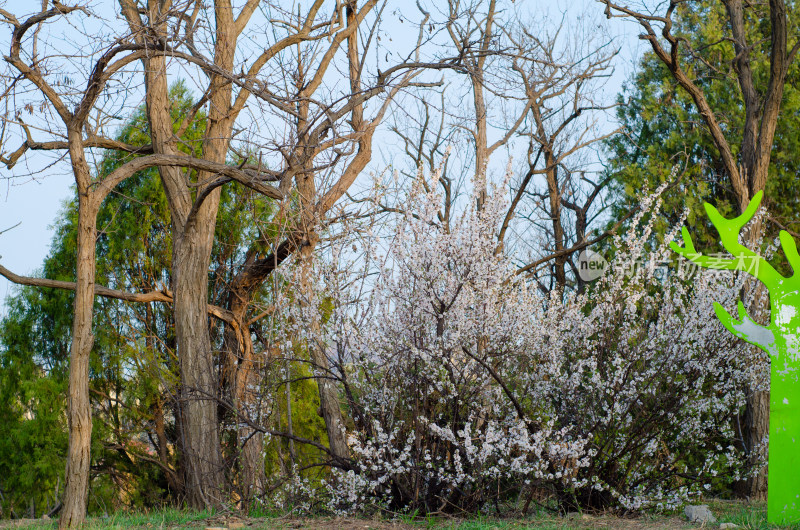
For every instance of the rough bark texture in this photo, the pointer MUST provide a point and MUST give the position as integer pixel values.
(191, 260)
(79, 413)
(198, 393)
(240, 382)
(251, 442)
(191, 253)
(755, 423)
(193, 226)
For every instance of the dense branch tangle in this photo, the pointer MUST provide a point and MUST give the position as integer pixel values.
(288, 99)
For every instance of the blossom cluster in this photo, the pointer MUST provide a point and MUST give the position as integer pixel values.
(465, 385)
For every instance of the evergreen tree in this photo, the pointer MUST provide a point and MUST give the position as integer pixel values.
(663, 128)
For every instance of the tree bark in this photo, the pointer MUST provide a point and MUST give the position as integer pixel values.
(755, 425)
(241, 383)
(191, 253)
(79, 414)
(198, 393)
(554, 197)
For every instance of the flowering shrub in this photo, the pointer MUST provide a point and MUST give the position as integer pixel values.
(465, 386)
(646, 373)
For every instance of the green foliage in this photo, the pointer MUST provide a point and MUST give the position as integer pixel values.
(133, 367)
(32, 403)
(663, 128)
(306, 421)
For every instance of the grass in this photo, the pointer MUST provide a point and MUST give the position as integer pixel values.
(164, 518)
(748, 516)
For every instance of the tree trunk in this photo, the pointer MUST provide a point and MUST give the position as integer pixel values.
(79, 413)
(198, 394)
(756, 417)
(251, 442)
(192, 240)
(762, 107)
(329, 405)
(554, 196)
(192, 245)
(755, 424)
(254, 479)
(241, 384)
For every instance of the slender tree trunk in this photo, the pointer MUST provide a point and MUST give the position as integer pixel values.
(241, 382)
(79, 413)
(251, 441)
(554, 196)
(755, 423)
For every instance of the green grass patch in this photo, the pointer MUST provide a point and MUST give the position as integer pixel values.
(748, 516)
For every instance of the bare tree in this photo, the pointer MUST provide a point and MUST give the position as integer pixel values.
(323, 156)
(748, 170)
(531, 89)
(288, 81)
(560, 75)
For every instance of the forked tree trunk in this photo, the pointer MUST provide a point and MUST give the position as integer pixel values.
(191, 251)
(762, 107)
(192, 240)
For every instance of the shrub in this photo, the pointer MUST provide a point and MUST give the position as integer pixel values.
(467, 386)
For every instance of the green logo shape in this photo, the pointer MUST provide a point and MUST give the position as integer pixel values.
(779, 339)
